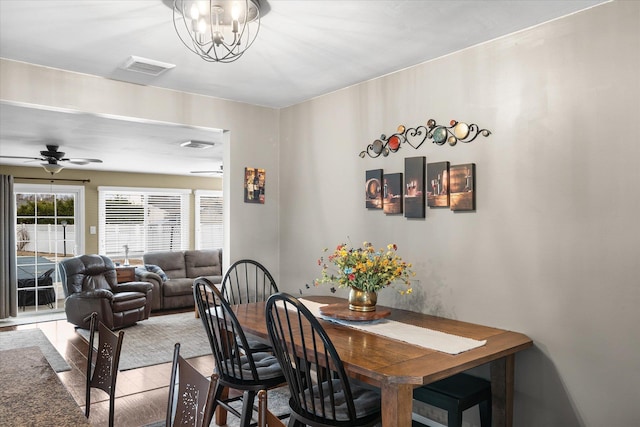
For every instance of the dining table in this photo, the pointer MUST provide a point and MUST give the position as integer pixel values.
(397, 366)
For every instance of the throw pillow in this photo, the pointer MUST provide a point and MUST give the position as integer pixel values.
(140, 271)
(156, 269)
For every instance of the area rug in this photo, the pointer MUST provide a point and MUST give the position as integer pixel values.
(150, 342)
(41, 316)
(34, 338)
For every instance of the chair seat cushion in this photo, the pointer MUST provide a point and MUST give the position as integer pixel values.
(256, 344)
(266, 365)
(124, 301)
(365, 399)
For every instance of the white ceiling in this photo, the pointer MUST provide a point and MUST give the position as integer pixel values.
(304, 49)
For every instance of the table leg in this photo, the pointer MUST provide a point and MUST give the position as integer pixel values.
(397, 405)
(221, 413)
(502, 375)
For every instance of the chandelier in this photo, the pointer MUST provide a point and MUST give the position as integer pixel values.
(217, 30)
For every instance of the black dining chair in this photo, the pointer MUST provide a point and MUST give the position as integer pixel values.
(105, 372)
(249, 372)
(193, 396)
(321, 392)
(248, 281)
(456, 394)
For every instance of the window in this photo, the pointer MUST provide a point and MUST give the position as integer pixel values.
(49, 226)
(143, 219)
(209, 219)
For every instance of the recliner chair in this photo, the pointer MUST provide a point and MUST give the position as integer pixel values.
(90, 285)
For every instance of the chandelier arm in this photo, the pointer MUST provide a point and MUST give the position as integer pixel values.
(175, 26)
(195, 47)
(248, 29)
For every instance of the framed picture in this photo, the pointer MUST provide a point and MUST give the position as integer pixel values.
(373, 189)
(438, 184)
(462, 184)
(414, 169)
(254, 185)
(392, 193)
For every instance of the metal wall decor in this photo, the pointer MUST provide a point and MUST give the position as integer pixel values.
(415, 137)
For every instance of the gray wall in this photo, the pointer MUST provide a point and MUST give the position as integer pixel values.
(551, 248)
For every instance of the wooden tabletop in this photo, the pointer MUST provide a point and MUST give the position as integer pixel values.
(397, 367)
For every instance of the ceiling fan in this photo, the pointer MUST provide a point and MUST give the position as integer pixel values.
(51, 156)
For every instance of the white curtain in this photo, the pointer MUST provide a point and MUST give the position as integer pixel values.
(8, 269)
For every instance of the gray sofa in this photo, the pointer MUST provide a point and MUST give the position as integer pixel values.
(181, 269)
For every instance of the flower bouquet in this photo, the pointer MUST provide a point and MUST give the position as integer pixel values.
(366, 268)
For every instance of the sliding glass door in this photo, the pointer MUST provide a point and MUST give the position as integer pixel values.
(49, 227)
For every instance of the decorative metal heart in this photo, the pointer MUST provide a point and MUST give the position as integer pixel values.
(415, 137)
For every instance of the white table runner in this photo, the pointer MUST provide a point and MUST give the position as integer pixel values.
(416, 335)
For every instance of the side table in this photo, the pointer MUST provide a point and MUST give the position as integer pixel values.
(125, 274)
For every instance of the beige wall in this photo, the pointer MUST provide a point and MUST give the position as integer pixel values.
(551, 250)
(98, 178)
(251, 139)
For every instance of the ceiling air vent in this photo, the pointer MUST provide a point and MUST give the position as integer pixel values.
(197, 144)
(146, 66)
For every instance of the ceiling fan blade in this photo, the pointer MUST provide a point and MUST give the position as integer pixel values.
(82, 161)
(21, 157)
(52, 156)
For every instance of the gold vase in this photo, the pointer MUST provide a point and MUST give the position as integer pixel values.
(360, 300)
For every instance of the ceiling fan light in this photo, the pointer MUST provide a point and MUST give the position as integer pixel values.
(52, 168)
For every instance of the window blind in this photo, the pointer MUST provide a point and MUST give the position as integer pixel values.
(209, 219)
(145, 220)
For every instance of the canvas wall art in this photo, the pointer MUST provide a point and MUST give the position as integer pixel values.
(414, 170)
(438, 184)
(392, 193)
(462, 185)
(254, 181)
(373, 189)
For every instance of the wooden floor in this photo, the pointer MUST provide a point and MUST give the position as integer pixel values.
(141, 394)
